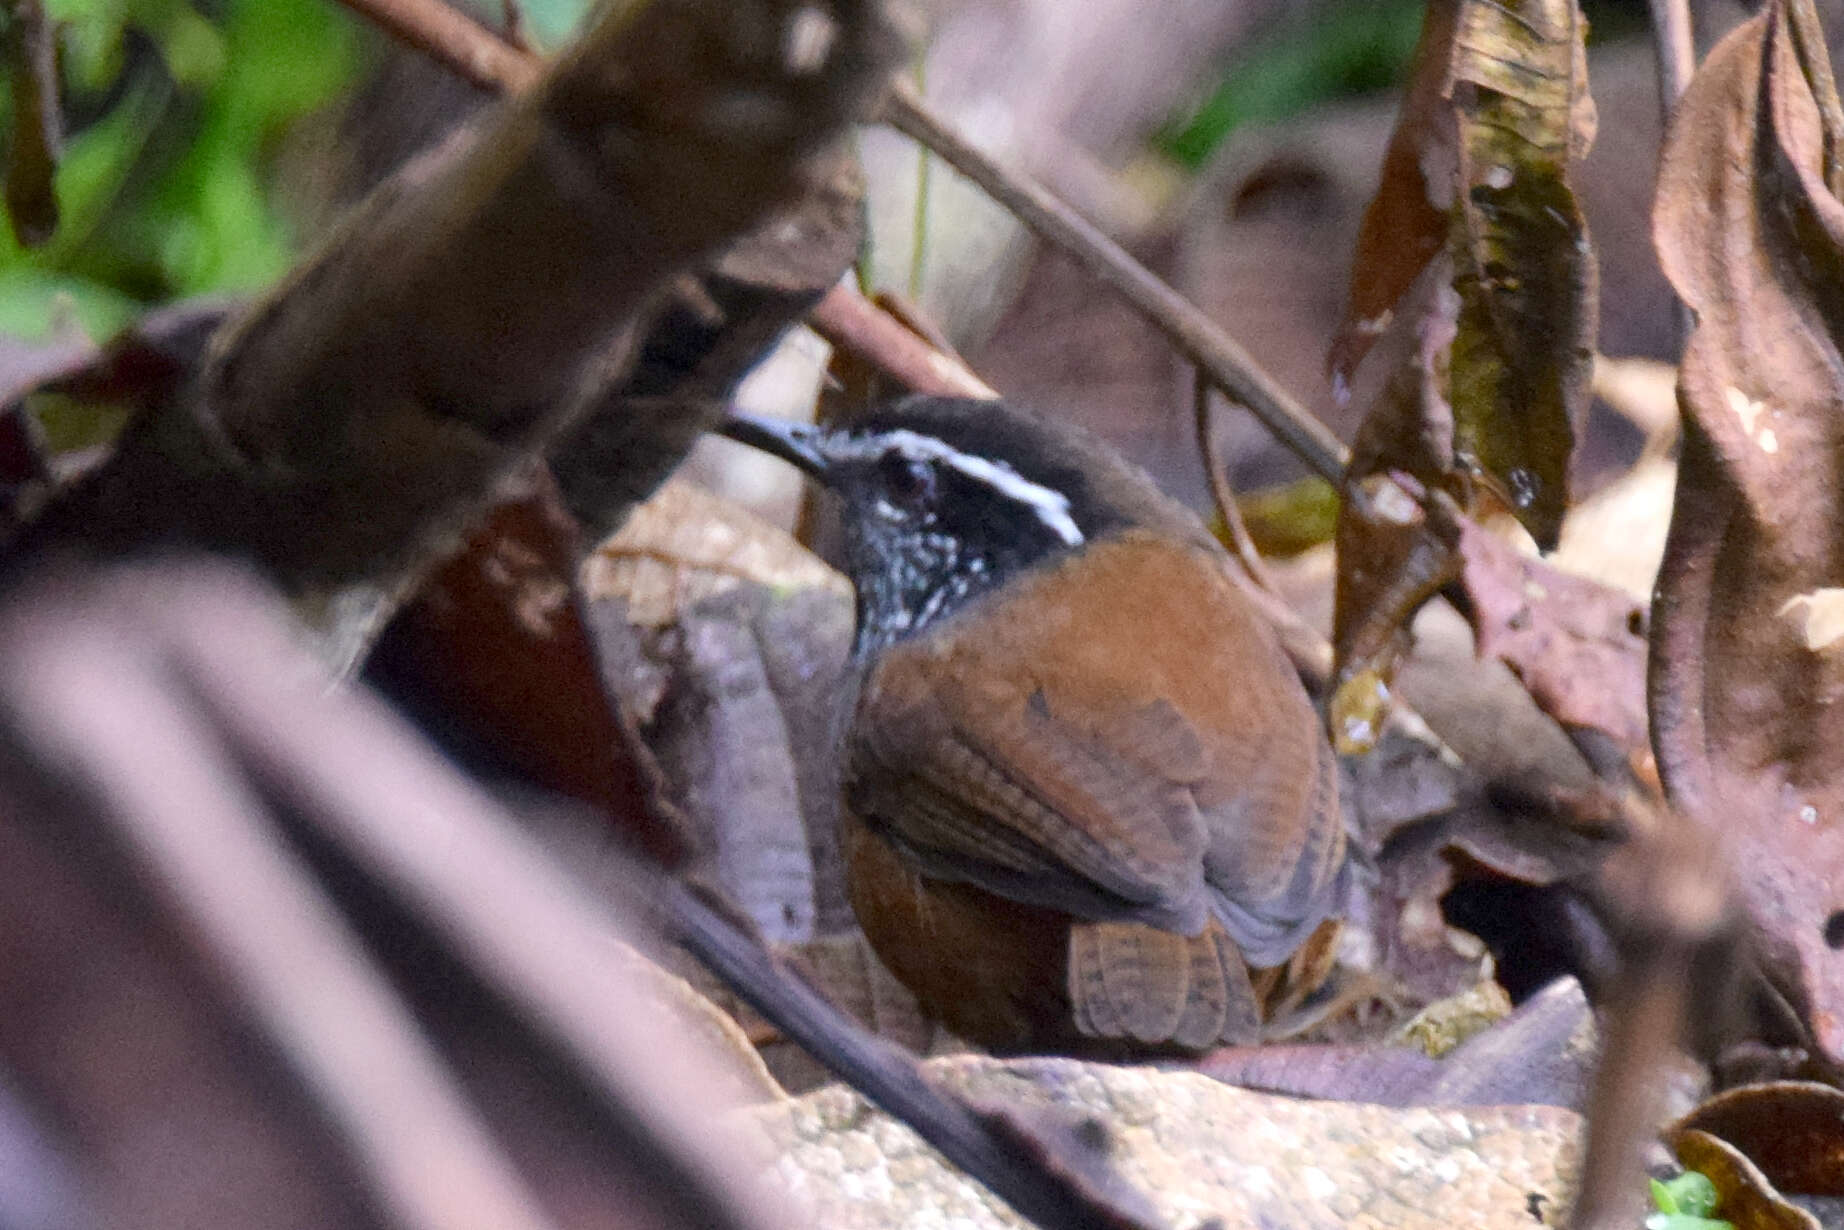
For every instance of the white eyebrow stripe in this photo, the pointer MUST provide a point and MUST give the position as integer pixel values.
(1050, 506)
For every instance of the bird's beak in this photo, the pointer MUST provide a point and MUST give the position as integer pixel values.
(794, 443)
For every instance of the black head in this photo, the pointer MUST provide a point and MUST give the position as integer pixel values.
(946, 499)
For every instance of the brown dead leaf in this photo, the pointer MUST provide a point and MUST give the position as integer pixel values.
(1390, 559)
(726, 641)
(1577, 646)
(1408, 220)
(1792, 1130)
(494, 649)
(1478, 170)
(1746, 677)
(1744, 1196)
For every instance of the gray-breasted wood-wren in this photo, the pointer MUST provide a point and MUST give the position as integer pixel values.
(1085, 792)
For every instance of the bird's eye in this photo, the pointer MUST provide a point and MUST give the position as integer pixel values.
(909, 479)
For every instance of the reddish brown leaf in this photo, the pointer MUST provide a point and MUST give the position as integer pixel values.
(1748, 661)
(1408, 220)
(494, 648)
(1578, 646)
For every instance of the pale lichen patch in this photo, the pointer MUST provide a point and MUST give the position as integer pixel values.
(1819, 616)
(1751, 413)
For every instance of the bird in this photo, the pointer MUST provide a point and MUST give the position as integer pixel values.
(1087, 805)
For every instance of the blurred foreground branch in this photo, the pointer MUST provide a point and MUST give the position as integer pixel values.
(346, 428)
(167, 712)
(730, 309)
(90, 666)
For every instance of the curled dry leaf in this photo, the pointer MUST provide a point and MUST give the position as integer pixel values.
(1745, 1198)
(1792, 1130)
(1746, 672)
(1478, 170)
(1577, 645)
(1390, 559)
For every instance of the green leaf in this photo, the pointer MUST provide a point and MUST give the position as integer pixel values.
(192, 47)
(1354, 49)
(168, 193)
(1687, 1202)
(1691, 1192)
(35, 303)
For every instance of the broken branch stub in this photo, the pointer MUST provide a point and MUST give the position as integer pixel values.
(1747, 667)
(714, 325)
(347, 428)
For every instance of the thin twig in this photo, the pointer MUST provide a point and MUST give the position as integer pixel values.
(455, 39)
(925, 163)
(1665, 900)
(1647, 1011)
(856, 325)
(1676, 50)
(1217, 473)
(1194, 334)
